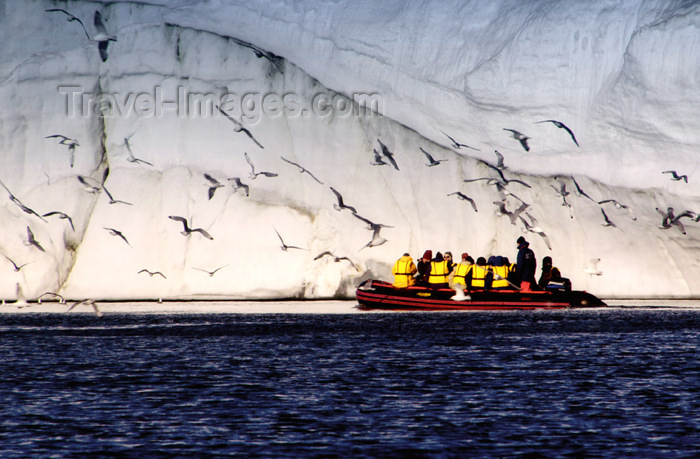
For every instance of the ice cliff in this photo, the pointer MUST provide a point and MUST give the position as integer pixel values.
(311, 89)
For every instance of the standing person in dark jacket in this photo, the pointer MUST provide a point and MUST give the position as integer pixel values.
(423, 267)
(527, 265)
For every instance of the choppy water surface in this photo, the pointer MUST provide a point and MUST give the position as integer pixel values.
(611, 382)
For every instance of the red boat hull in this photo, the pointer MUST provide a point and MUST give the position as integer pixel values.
(374, 294)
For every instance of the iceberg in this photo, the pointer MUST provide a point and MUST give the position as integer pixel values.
(244, 118)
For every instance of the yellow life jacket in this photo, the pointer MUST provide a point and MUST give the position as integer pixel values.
(479, 276)
(403, 272)
(501, 271)
(438, 272)
(460, 273)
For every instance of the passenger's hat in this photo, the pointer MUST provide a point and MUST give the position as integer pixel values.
(428, 254)
(521, 240)
(465, 255)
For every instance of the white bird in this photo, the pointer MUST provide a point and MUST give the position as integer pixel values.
(341, 205)
(335, 258)
(51, 294)
(211, 273)
(214, 185)
(91, 185)
(284, 246)
(608, 222)
(62, 216)
(67, 141)
(512, 215)
(431, 161)
(114, 201)
(378, 161)
(376, 239)
(388, 154)
(19, 203)
(187, 230)
(522, 138)
(32, 241)
(152, 273)
(101, 37)
(458, 145)
(238, 184)
(464, 197)
(253, 174)
(238, 127)
(533, 227)
(675, 177)
(132, 158)
(17, 267)
(619, 205)
(117, 233)
(87, 302)
(561, 125)
(302, 169)
(592, 268)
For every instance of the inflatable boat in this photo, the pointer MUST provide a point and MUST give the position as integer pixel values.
(376, 294)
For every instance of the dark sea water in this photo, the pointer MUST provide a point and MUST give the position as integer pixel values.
(588, 383)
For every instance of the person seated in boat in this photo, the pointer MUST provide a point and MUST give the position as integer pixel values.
(423, 267)
(551, 278)
(461, 271)
(404, 269)
(450, 262)
(512, 275)
(481, 275)
(526, 266)
(438, 272)
(500, 274)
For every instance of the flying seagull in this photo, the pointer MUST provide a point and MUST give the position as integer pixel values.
(378, 161)
(533, 227)
(87, 302)
(371, 225)
(211, 273)
(67, 141)
(19, 204)
(89, 187)
(561, 125)
(32, 241)
(512, 215)
(238, 184)
(675, 177)
(253, 174)
(101, 37)
(117, 233)
(62, 216)
(238, 127)
(284, 246)
(607, 220)
(132, 158)
(376, 239)
(152, 273)
(214, 185)
(53, 295)
(431, 160)
(464, 197)
(456, 144)
(301, 169)
(580, 191)
(115, 201)
(520, 137)
(341, 205)
(672, 220)
(592, 269)
(561, 191)
(17, 267)
(335, 258)
(499, 160)
(187, 230)
(618, 205)
(388, 154)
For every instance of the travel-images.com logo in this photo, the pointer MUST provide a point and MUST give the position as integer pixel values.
(249, 107)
